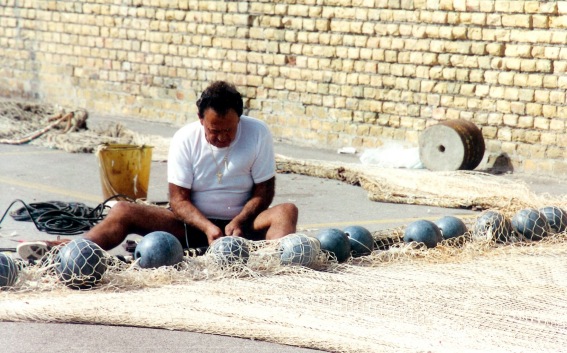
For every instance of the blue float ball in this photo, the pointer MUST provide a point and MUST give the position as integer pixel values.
(531, 224)
(494, 226)
(80, 264)
(556, 218)
(299, 249)
(230, 250)
(423, 231)
(158, 249)
(361, 240)
(451, 226)
(336, 242)
(8, 271)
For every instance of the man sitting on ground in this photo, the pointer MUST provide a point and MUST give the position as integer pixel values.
(221, 175)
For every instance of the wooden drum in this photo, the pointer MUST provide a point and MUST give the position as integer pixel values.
(451, 145)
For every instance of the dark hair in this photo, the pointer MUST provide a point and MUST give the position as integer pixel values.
(222, 97)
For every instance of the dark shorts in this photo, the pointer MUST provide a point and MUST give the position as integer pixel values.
(195, 238)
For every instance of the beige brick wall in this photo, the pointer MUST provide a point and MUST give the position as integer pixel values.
(344, 73)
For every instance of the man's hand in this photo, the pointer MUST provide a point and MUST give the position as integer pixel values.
(235, 228)
(184, 210)
(213, 233)
(262, 196)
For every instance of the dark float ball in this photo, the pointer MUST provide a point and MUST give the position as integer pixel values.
(158, 249)
(8, 271)
(423, 231)
(230, 250)
(361, 240)
(530, 224)
(80, 264)
(451, 227)
(336, 242)
(299, 249)
(556, 218)
(492, 225)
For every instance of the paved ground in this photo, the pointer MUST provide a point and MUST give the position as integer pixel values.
(35, 174)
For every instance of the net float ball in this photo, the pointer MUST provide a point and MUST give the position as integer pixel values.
(299, 249)
(8, 271)
(492, 225)
(336, 242)
(361, 240)
(80, 264)
(230, 250)
(158, 249)
(451, 227)
(423, 231)
(530, 224)
(556, 217)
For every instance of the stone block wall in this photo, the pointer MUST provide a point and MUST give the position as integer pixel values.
(324, 73)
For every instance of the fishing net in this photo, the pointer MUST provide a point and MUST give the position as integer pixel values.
(475, 292)
(66, 128)
(455, 189)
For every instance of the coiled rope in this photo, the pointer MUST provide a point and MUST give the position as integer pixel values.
(62, 218)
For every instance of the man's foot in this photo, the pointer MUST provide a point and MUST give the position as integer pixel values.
(130, 245)
(35, 250)
(32, 250)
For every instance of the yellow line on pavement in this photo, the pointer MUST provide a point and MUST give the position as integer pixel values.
(46, 188)
(27, 152)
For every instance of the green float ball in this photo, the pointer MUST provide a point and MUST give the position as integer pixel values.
(230, 250)
(493, 226)
(556, 218)
(8, 271)
(80, 264)
(361, 240)
(158, 249)
(423, 231)
(299, 249)
(530, 224)
(451, 227)
(336, 242)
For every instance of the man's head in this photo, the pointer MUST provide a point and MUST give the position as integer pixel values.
(221, 96)
(220, 108)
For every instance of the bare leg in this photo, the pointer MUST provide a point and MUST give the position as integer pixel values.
(130, 218)
(127, 218)
(277, 221)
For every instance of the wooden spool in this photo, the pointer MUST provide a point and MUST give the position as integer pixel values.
(451, 145)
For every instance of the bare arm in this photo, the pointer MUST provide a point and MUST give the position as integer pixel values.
(183, 208)
(262, 196)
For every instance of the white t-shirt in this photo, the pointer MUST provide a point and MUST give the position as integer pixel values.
(250, 161)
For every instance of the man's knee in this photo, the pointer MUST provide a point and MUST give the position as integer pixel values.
(291, 211)
(121, 209)
(286, 212)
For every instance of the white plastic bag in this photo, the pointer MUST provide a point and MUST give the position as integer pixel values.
(392, 154)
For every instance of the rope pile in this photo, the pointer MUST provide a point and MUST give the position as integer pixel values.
(62, 218)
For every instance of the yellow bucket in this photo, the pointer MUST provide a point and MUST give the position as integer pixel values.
(124, 170)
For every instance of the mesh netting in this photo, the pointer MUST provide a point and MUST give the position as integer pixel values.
(490, 289)
(66, 129)
(80, 264)
(455, 189)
